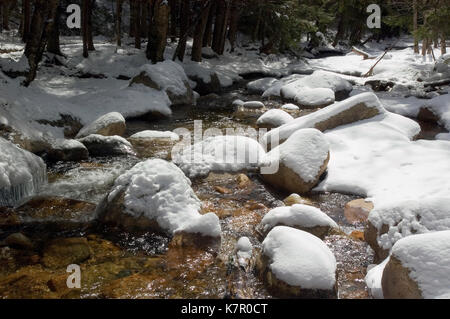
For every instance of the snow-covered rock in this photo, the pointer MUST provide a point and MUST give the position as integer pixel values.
(373, 279)
(261, 85)
(302, 159)
(169, 77)
(156, 195)
(156, 135)
(390, 222)
(21, 173)
(357, 108)
(443, 136)
(418, 267)
(67, 150)
(219, 154)
(312, 98)
(108, 125)
(244, 250)
(290, 107)
(303, 217)
(99, 145)
(319, 79)
(294, 263)
(253, 105)
(274, 118)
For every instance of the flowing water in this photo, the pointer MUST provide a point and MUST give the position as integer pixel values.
(147, 265)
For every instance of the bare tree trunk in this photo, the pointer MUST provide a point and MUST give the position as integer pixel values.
(132, 3)
(84, 26)
(443, 45)
(158, 31)
(174, 5)
(6, 5)
(219, 26)
(207, 38)
(137, 23)
(44, 12)
(223, 36)
(199, 33)
(184, 28)
(234, 22)
(53, 45)
(26, 12)
(144, 17)
(119, 4)
(415, 17)
(90, 38)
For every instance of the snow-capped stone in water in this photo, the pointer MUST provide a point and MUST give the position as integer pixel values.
(169, 77)
(294, 263)
(67, 150)
(21, 173)
(312, 98)
(303, 217)
(261, 85)
(389, 222)
(244, 250)
(253, 105)
(150, 135)
(274, 118)
(109, 124)
(419, 267)
(237, 103)
(357, 210)
(302, 159)
(373, 279)
(319, 79)
(357, 108)
(99, 145)
(219, 154)
(290, 107)
(155, 195)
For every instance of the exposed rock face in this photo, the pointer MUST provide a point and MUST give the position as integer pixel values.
(302, 160)
(63, 252)
(67, 150)
(99, 145)
(371, 234)
(427, 115)
(107, 125)
(203, 87)
(357, 210)
(397, 283)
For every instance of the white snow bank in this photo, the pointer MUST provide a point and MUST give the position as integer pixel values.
(319, 79)
(427, 256)
(274, 118)
(158, 190)
(310, 120)
(220, 154)
(410, 217)
(297, 215)
(21, 173)
(299, 258)
(304, 152)
(100, 123)
(149, 134)
(373, 280)
(314, 97)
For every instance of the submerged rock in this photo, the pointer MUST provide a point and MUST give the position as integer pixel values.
(294, 263)
(357, 210)
(107, 125)
(296, 199)
(18, 240)
(301, 161)
(64, 252)
(99, 145)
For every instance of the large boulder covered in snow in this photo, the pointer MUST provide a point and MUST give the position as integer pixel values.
(301, 161)
(303, 217)
(314, 98)
(107, 125)
(390, 222)
(169, 77)
(155, 195)
(21, 173)
(228, 153)
(319, 79)
(67, 150)
(357, 108)
(419, 267)
(294, 263)
(99, 145)
(151, 143)
(273, 118)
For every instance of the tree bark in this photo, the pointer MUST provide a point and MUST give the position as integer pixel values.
(6, 5)
(84, 26)
(184, 27)
(234, 22)
(174, 5)
(443, 44)
(200, 32)
(144, 17)
(90, 38)
(207, 38)
(219, 26)
(158, 31)
(415, 17)
(137, 23)
(132, 4)
(53, 45)
(119, 4)
(26, 12)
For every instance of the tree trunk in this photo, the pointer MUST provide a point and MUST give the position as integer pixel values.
(200, 32)
(137, 23)
(234, 22)
(219, 26)
(158, 31)
(119, 4)
(207, 38)
(132, 3)
(415, 17)
(84, 26)
(6, 5)
(174, 5)
(184, 28)
(144, 17)
(443, 45)
(223, 36)
(26, 12)
(90, 38)
(44, 12)
(53, 45)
